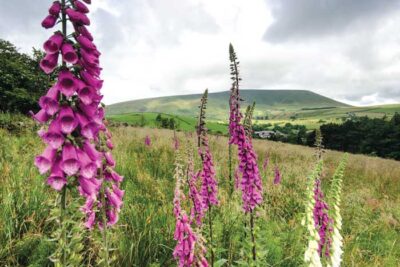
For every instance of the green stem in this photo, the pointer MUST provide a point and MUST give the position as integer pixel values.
(104, 233)
(253, 239)
(211, 235)
(63, 232)
(230, 169)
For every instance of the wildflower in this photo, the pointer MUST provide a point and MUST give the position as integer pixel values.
(147, 141)
(79, 145)
(321, 219)
(278, 177)
(266, 161)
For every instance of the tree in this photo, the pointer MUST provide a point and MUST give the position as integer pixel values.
(21, 80)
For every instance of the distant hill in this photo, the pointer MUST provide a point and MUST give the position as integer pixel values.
(267, 102)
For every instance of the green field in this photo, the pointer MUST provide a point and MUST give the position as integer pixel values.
(144, 234)
(186, 123)
(267, 101)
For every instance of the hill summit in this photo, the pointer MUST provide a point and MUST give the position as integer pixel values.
(267, 101)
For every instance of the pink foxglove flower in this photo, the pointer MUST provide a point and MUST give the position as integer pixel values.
(278, 177)
(147, 140)
(49, 21)
(55, 8)
(54, 43)
(78, 142)
(323, 223)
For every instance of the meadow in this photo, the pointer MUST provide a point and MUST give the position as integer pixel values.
(144, 233)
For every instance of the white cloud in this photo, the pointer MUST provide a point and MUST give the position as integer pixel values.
(157, 47)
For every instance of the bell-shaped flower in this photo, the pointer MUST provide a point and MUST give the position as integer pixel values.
(69, 54)
(49, 63)
(89, 129)
(112, 217)
(53, 137)
(88, 168)
(90, 221)
(89, 58)
(109, 159)
(109, 144)
(69, 163)
(91, 80)
(49, 22)
(93, 154)
(81, 7)
(49, 102)
(278, 177)
(67, 83)
(57, 178)
(54, 43)
(55, 8)
(114, 199)
(44, 161)
(77, 17)
(113, 176)
(89, 187)
(86, 93)
(88, 110)
(42, 116)
(68, 121)
(84, 31)
(85, 43)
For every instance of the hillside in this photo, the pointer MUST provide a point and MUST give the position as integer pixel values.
(268, 101)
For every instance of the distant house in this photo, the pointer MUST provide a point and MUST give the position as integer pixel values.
(269, 134)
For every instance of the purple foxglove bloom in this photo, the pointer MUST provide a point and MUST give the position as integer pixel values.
(112, 217)
(323, 223)
(85, 43)
(278, 177)
(147, 141)
(84, 31)
(49, 63)
(49, 102)
(113, 176)
(90, 221)
(42, 116)
(77, 17)
(88, 206)
(109, 144)
(89, 129)
(120, 193)
(41, 132)
(209, 186)
(57, 178)
(67, 83)
(68, 121)
(89, 187)
(93, 154)
(197, 211)
(45, 161)
(186, 239)
(114, 199)
(53, 44)
(109, 159)
(89, 59)
(49, 22)
(70, 163)
(69, 54)
(53, 137)
(88, 168)
(88, 110)
(90, 80)
(81, 7)
(55, 9)
(86, 93)
(251, 183)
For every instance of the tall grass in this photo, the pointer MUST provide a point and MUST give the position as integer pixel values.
(144, 236)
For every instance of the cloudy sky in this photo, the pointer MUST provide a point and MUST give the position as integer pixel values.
(345, 49)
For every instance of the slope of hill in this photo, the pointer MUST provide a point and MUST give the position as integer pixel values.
(268, 101)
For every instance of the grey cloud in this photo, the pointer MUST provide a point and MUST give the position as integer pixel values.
(309, 18)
